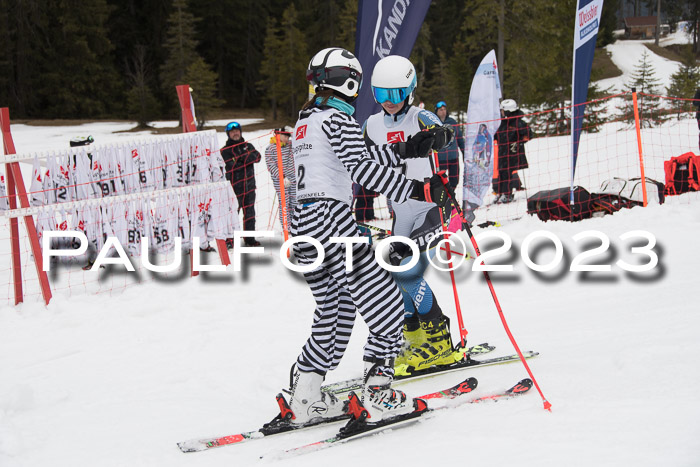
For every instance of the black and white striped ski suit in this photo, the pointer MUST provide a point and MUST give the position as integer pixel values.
(368, 288)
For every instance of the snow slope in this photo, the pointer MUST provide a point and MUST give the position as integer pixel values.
(118, 381)
(626, 54)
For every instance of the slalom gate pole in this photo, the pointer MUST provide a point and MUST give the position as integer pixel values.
(639, 146)
(465, 226)
(283, 194)
(460, 321)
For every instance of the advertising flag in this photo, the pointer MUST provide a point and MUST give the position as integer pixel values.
(483, 119)
(588, 16)
(384, 27)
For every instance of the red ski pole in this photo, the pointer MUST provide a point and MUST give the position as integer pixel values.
(465, 226)
(460, 321)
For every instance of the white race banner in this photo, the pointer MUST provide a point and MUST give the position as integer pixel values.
(483, 119)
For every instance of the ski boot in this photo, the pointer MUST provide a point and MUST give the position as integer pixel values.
(378, 398)
(437, 350)
(308, 403)
(413, 336)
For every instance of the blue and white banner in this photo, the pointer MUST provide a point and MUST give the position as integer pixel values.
(588, 16)
(384, 27)
(483, 119)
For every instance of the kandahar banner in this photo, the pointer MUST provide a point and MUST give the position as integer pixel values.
(588, 16)
(384, 27)
(483, 119)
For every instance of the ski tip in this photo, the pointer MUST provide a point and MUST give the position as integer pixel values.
(190, 447)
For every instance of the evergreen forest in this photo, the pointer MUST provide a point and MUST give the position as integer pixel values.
(95, 59)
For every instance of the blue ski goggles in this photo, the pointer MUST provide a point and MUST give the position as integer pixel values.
(440, 105)
(393, 95)
(233, 126)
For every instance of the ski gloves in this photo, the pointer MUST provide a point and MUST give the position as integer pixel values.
(432, 190)
(424, 142)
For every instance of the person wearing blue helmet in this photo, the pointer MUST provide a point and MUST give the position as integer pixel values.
(239, 156)
(448, 158)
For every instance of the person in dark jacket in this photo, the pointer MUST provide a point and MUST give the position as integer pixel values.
(448, 158)
(511, 137)
(239, 157)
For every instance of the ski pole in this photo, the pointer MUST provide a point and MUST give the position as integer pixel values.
(465, 226)
(460, 321)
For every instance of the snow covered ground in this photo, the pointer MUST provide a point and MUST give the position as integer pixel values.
(94, 380)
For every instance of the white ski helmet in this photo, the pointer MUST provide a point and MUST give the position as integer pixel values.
(394, 80)
(337, 69)
(509, 105)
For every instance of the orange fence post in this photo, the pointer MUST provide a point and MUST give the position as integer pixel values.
(283, 196)
(639, 145)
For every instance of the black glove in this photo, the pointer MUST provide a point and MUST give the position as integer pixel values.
(443, 136)
(418, 145)
(432, 190)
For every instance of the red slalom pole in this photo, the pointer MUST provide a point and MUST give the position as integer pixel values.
(462, 330)
(465, 226)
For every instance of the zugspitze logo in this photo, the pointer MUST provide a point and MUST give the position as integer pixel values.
(301, 132)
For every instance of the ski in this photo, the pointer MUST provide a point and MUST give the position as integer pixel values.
(356, 383)
(280, 424)
(356, 429)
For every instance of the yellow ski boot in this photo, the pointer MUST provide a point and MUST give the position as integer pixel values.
(437, 350)
(413, 336)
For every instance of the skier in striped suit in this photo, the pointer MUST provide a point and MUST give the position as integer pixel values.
(330, 154)
(288, 173)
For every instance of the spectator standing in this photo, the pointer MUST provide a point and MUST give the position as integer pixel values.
(240, 157)
(511, 137)
(448, 158)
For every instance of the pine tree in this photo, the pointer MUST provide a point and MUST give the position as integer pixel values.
(420, 56)
(6, 62)
(644, 80)
(608, 23)
(78, 77)
(271, 84)
(140, 101)
(685, 81)
(437, 87)
(180, 44)
(347, 25)
(202, 79)
(284, 65)
(296, 57)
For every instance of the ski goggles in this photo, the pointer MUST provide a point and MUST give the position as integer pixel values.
(233, 126)
(393, 95)
(333, 76)
(440, 105)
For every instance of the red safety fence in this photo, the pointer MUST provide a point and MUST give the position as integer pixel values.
(661, 144)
